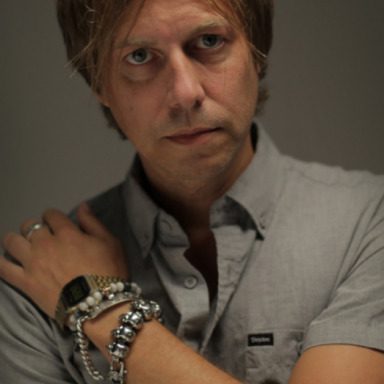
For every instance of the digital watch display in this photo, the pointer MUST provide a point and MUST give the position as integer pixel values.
(77, 291)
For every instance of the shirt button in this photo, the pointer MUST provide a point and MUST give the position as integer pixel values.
(165, 226)
(190, 282)
(263, 221)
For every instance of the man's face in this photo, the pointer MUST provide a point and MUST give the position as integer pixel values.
(183, 88)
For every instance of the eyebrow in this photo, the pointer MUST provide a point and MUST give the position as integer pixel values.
(133, 41)
(217, 22)
(130, 41)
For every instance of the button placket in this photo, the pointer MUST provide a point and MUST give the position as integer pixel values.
(183, 283)
(233, 249)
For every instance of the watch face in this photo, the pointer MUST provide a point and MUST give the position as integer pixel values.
(76, 290)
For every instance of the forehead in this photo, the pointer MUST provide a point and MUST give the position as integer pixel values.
(149, 17)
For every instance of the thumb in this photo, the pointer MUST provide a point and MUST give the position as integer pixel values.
(91, 224)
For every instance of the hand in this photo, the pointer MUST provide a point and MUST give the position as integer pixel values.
(58, 253)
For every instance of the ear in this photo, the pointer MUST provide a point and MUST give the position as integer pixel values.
(102, 98)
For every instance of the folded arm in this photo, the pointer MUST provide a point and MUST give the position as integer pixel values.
(53, 258)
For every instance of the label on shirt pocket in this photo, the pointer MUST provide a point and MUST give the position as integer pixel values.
(260, 339)
(272, 354)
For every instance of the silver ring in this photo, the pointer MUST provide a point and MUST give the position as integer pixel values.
(32, 228)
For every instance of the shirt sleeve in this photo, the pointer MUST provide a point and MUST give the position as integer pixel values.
(29, 352)
(355, 314)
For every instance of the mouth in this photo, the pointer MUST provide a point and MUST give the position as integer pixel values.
(193, 137)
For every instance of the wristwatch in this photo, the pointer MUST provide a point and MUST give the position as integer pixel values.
(78, 290)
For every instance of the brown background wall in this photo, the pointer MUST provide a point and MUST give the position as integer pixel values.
(326, 78)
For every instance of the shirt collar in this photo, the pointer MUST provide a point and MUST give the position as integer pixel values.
(141, 210)
(257, 189)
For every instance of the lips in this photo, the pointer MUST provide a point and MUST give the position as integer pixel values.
(197, 136)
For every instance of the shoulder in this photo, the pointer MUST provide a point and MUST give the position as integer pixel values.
(333, 185)
(330, 210)
(108, 206)
(332, 175)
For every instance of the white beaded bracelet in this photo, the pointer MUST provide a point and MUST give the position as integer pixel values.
(98, 302)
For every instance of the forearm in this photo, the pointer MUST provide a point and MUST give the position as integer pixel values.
(156, 355)
(339, 364)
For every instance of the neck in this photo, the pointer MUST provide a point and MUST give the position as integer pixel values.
(189, 201)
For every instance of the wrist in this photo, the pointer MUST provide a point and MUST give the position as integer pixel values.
(90, 295)
(105, 325)
(132, 321)
(98, 330)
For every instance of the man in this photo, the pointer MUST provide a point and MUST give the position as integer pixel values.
(268, 270)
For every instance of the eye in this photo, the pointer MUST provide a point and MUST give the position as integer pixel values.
(208, 41)
(140, 56)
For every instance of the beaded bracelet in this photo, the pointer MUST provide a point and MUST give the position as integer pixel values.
(99, 301)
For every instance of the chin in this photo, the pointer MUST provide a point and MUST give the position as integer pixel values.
(199, 169)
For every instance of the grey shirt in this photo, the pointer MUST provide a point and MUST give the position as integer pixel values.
(300, 260)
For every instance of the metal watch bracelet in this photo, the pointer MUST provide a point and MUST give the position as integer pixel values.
(75, 294)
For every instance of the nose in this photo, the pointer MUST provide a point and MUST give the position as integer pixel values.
(184, 89)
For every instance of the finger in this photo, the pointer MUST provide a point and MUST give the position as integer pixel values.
(26, 226)
(17, 246)
(12, 273)
(57, 220)
(91, 224)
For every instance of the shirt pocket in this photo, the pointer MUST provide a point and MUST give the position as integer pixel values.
(271, 355)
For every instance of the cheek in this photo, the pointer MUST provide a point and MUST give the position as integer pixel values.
(132, 106)
(234, 82)
(238, 93)
(248, 85)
